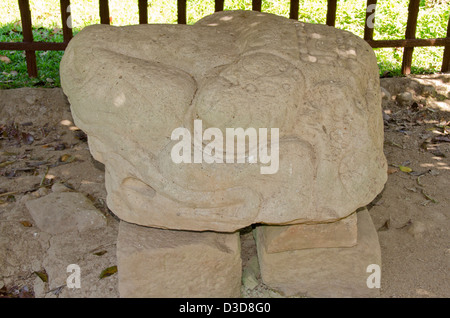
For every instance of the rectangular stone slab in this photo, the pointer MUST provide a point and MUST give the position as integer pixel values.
(157, 263)
(61, 212)
(342, 233)
(324, 272)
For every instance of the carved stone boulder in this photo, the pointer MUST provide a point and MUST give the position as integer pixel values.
(131, 87)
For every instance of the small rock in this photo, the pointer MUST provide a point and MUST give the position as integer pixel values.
(14, 73)
(39, 287)
(428, 91)
(43, 191)
(39, 193)
(385, 94)
(416, 229)
(60, 187)
(250, 273)
(5, 59)
(249, 281)
(50, 80)
(61, 212)
(404, 99)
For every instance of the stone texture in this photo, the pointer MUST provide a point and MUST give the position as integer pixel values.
(61, 212)
(171, 264)
(130, 87)
(80, 248)
(324, 272)
(342, 233)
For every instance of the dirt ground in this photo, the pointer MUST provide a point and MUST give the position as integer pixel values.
(41, 150)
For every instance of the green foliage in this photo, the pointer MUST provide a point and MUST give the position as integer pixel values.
(14, 74)
(390, 23)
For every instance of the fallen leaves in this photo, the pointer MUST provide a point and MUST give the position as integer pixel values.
(108, 272)
(59, 147)
(442, 139)
(67, 158)
(441, 133)
(42, 275)
(100, 253)
(405, 169)
(16, 292)
(419, 183)
(14, 164)
(12, 132)
(80, 135)
(26, 223)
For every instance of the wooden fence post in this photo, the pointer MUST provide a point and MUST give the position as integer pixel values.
(413, 11)
(104, 12)
(446, 57)
(66, 20)
(293, 10)
(181, 4)
(369, 26)
(256, 5)
(218, 5)
(331, 12)
(143, 11)
(27, 31)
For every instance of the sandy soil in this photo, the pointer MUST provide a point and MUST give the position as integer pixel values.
(41, 149)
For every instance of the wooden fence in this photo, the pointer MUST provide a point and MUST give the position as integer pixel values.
(30, 46)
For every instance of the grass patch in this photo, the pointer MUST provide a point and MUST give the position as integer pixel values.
(14, 74)
(390, 23)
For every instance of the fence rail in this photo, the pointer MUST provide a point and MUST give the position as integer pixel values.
(30, 46)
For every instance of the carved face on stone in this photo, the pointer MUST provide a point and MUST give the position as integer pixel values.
(131, 87)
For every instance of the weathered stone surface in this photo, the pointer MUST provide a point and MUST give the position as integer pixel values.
(61, 212)
(165, 263)
(130, 87)
(342, 233)
(79, 249)
(324, 272)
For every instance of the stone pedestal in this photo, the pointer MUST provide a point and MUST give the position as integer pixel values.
(323, 272)
(171, 264)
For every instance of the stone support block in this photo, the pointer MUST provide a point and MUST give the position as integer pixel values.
(342, 233)
(325, 272)
(171, 264)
